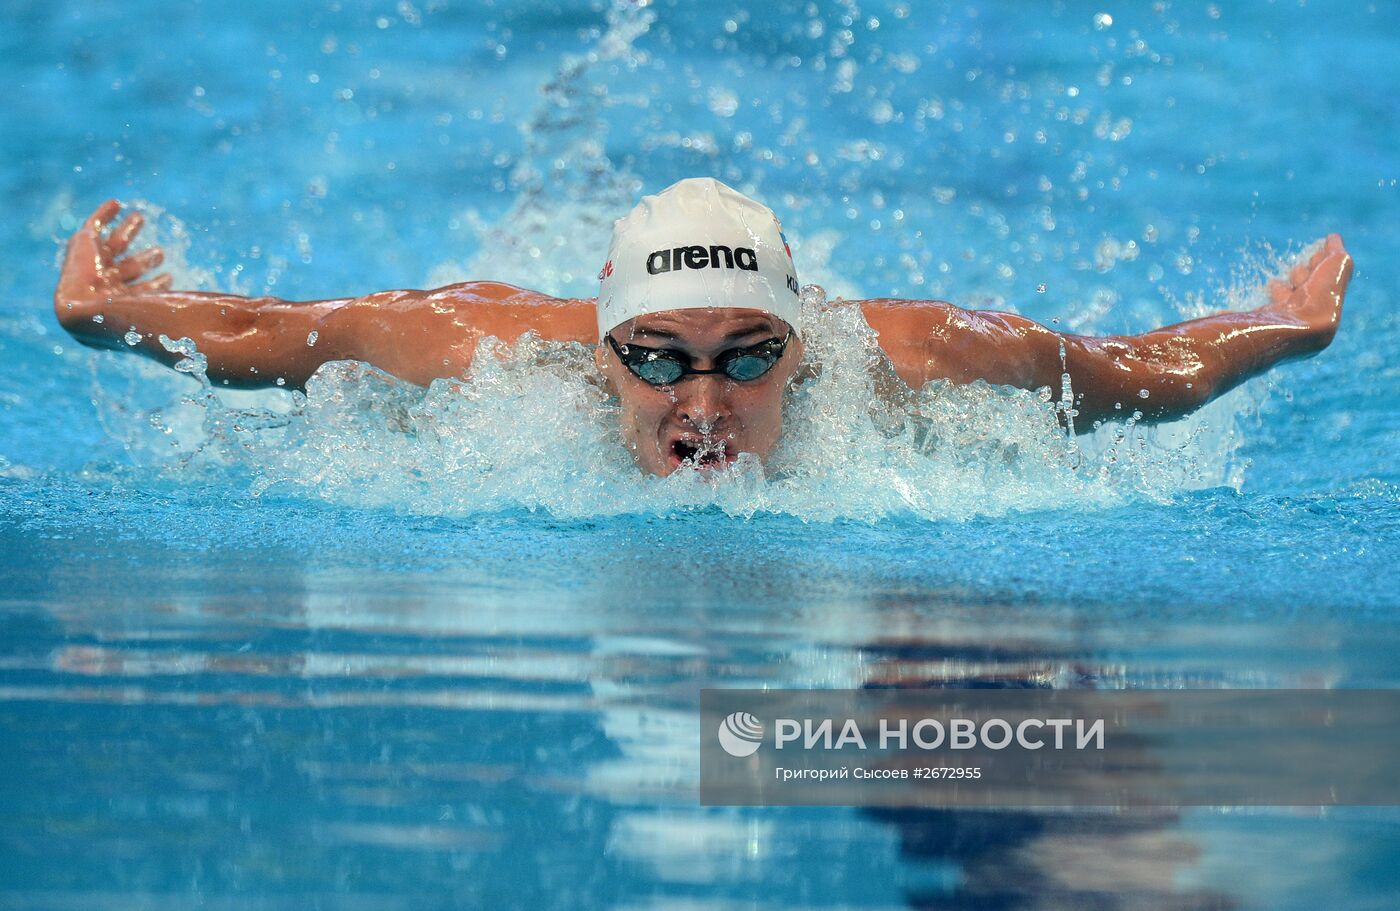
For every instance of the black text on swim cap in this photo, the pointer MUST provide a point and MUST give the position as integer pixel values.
(697, 257)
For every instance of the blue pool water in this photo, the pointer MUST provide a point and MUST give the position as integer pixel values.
(383, 648)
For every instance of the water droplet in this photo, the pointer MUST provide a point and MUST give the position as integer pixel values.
(132, 337)
(1143, 393)
(723, 102)
(311, 339)
(98, 318)
(1040, 288)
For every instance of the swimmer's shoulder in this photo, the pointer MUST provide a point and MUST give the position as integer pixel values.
(886, 309)
(507, 310)
(914, 335)
(494, 292)
(908, 322)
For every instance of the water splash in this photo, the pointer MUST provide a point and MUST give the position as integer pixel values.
(566, 186)
(531, 426)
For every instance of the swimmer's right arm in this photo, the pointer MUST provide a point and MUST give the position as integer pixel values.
(1161, 374)
(418, 336)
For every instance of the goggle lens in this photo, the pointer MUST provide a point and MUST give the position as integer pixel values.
(659, 371)
(748, 367)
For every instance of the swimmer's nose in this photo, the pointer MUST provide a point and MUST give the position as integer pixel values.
(700, 402)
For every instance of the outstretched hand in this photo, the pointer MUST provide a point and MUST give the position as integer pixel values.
(1314, 290)
(95, 270)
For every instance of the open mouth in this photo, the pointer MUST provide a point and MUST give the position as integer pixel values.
(701, 454)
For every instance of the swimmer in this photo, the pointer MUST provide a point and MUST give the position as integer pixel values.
(696, 329)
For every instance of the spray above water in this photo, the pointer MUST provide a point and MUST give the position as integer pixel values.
(531, 426)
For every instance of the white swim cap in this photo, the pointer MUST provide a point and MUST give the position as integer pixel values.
(697, 244)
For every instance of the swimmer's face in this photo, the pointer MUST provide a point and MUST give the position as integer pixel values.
(700, 421)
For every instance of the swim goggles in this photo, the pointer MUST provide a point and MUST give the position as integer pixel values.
(666, 366)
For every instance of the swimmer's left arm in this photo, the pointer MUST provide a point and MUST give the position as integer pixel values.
(103, 300)
(1180, 367)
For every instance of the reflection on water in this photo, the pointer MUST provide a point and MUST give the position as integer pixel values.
(1034, 858)
(320, 734)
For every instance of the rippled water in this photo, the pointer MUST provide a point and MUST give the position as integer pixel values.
(388, 647)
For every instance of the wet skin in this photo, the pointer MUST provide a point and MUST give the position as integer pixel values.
(425, 335)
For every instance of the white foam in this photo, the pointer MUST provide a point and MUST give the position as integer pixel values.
(532, 427)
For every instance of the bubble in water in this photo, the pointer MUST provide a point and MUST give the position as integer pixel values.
(98, 318)
(723, 102)
(1040, 288)
(132, 337)
(1102, 21)
(311, 338)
